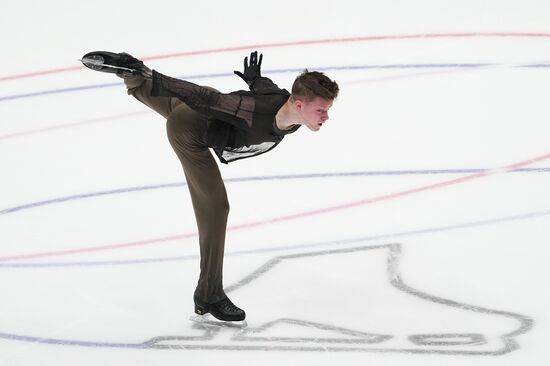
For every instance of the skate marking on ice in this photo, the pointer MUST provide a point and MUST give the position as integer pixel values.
(332, 334)
(292, 334)
(302, 335)
(208, 319)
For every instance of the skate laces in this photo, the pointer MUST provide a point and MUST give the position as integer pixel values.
(227, 306)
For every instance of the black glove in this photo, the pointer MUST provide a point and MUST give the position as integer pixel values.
(252, 69)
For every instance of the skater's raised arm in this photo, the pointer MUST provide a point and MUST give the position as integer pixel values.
(252, 70)
(252, 76)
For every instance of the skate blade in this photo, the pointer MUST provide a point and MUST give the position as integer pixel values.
(93, 62)
(208, 319)
(97, 63)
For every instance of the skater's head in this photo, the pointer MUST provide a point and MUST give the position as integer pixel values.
(312, 96)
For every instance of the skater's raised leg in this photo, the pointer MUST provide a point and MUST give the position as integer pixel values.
(140, 88)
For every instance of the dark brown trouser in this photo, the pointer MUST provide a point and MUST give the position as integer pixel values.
(187, 135)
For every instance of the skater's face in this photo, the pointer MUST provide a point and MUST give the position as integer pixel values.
(314, 113)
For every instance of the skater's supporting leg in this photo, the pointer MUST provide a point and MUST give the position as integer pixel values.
(187, 133)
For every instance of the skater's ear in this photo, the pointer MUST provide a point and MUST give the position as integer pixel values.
(297, 102)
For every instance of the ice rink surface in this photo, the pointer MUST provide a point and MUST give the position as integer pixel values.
(413, 229)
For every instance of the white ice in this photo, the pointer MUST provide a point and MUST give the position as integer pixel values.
(413, 229)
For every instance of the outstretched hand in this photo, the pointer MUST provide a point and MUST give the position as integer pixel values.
(251, 70)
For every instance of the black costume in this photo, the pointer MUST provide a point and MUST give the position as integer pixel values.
(241, 124)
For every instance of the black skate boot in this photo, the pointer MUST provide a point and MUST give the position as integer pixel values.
(223, 310)
(122, 64)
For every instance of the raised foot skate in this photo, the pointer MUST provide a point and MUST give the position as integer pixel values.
(122, 64)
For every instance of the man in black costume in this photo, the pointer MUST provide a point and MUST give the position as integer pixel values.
(237, 125)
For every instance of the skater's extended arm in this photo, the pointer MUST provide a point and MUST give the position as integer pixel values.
(230, 108)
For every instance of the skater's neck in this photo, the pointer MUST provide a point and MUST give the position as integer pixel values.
(288, 116)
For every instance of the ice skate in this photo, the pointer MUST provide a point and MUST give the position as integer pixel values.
(223, 310)
(121, 64)
(209, 320)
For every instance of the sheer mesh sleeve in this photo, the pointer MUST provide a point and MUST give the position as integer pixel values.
(229, 108)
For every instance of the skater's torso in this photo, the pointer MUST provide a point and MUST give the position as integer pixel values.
(240, 124)
(232, 143)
